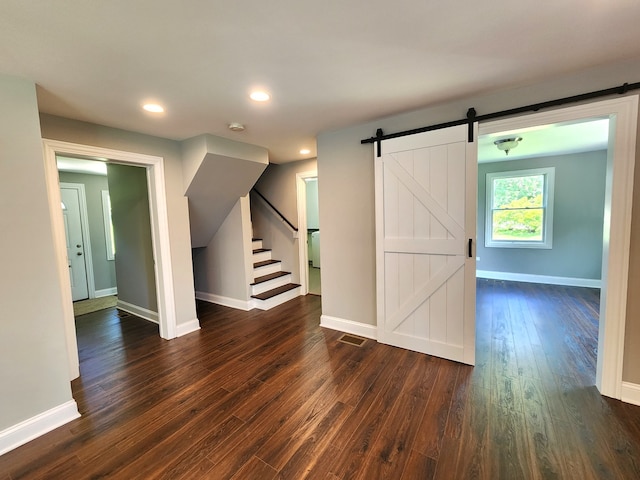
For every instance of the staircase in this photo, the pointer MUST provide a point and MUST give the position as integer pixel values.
(271, 286)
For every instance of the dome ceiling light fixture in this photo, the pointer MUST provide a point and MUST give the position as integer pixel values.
(236, 127)
(153, 108)
(259, 96)
(507, 144)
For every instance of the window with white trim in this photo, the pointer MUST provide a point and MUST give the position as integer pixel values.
(519, 208)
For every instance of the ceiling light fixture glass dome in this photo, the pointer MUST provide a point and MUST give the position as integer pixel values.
(507, 144)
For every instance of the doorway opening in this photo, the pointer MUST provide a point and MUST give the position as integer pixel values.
(540, 245)
(309, 232)
(617, 191)
(162, 271)
(91, 238)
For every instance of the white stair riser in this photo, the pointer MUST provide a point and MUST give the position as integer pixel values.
(277, 300)
(256, 244)
(267, 269)
(262, 256)
(276, 282)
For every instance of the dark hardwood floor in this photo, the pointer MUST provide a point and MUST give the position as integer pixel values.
(271, 395)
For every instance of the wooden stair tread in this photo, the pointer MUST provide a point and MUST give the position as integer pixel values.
(276, 291)
(261, 250)
(271, 276)
(256, 239)
(265, 263)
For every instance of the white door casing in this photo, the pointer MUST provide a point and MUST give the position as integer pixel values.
(425, 221)
(159, 228)
(75, 243)
(623, 115)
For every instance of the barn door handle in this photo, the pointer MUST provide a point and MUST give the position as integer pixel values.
(470, 248)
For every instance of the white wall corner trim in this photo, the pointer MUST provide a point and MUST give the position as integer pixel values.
(106, 292)
(224, 301)
(187, 327)
(547, 279)
(37, 426)
(349, 326)
(138, 311)
(631, 393)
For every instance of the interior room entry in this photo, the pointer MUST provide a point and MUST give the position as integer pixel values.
(313, 234)
(75, 242)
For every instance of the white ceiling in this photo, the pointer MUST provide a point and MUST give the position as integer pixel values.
(77, 165)
(327, 64)
(547, 140)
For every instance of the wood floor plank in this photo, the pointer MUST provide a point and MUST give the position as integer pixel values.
(437, 410)
(255, 469)
(324, 464)
(193, 462)
(353, 457)
(273, 395)
(390, 452)
(468, 456)
(302, 461)
(547, 460)
(361, 410)
(419, 466)
(260, 429)
(286, 441)
(510, 450)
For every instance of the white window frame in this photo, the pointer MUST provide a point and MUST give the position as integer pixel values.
(547, 197)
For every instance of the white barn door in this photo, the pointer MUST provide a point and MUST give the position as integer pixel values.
(425, 261)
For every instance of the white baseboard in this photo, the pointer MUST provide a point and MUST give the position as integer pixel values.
(34, 427)
(225, 301)
(550, 280)
(187, 327)
(106, 292)
(349, 326)
(138, 311)
(630, 393)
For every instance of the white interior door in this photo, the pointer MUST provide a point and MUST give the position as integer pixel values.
(75, 243)
(425, 258)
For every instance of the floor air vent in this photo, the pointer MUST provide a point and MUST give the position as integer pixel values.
(352, 340)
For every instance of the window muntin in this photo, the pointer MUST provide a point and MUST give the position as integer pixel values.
(519, 208)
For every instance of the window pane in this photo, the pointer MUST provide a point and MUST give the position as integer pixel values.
(518, 192)
(518, 224)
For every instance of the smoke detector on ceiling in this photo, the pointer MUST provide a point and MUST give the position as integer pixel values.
(236, 127)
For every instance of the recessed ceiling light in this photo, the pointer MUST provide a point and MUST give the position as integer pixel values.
(259, 96)
(153, 107)
(236, 127)
(305, 151)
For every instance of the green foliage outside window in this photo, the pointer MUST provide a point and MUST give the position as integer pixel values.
(518, 208)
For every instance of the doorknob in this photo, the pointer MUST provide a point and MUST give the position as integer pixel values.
(79, 253)
(79, 246)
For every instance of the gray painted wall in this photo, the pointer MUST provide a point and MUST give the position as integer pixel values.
(346, 191)
(132, 227)
(278, 185)
(578, 217)
(63, 129)
(34, 369)
(104, 271)
(221, 267)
